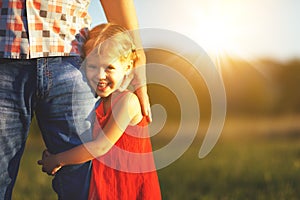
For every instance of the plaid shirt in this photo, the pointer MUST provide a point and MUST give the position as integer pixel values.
(41, 28)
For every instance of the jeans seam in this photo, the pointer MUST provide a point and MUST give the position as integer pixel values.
(44, 80)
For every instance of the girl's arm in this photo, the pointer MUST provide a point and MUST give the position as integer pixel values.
(125, 110)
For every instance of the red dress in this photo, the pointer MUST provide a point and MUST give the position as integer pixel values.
(127, 171)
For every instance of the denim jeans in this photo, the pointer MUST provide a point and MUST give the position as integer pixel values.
(56, 91)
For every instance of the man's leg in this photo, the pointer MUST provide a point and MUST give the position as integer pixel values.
(63, 114)
(17, 91)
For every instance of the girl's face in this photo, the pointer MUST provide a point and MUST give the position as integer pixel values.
(105, 73)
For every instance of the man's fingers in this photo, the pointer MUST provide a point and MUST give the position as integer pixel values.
(144, 101)
(146, 110)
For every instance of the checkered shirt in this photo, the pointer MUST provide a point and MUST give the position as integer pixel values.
(42, 28)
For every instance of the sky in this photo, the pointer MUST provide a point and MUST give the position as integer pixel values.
(244, 28)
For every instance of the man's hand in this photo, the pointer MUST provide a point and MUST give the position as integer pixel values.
(144, 101)
(140, 84)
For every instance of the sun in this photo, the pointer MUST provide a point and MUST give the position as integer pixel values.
(216, 35)
(218, 39)
(216, 29)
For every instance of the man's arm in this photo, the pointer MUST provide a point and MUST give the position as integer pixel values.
(123, 12)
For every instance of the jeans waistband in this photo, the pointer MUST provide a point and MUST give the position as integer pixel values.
(10, 60)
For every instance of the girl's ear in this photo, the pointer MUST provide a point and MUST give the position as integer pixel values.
(127, 79)
(129, 67)
(131, 64)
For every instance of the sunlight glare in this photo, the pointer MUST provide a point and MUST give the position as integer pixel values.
(216, 30)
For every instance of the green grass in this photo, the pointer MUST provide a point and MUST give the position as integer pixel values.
(31, 183)
(247, 170)
(250, 161)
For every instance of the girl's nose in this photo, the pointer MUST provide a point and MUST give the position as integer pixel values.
(101, 73)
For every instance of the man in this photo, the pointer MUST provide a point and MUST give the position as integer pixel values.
(39, 73)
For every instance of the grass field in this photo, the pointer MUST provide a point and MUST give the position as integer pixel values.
(253, 159)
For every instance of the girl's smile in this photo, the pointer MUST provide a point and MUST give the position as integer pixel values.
(102, 85)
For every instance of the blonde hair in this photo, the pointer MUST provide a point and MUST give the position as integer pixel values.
(113, 39)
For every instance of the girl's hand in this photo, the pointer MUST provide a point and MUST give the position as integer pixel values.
(49, 163)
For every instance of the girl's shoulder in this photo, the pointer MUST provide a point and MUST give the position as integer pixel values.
(128, 98)
(130, 102)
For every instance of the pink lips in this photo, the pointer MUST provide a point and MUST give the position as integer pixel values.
(101, 86)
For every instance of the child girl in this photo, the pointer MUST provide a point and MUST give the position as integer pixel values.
(121, 153)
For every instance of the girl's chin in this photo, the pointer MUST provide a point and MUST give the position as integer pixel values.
(103, 94)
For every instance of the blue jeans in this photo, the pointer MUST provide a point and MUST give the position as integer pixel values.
(57, 92)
